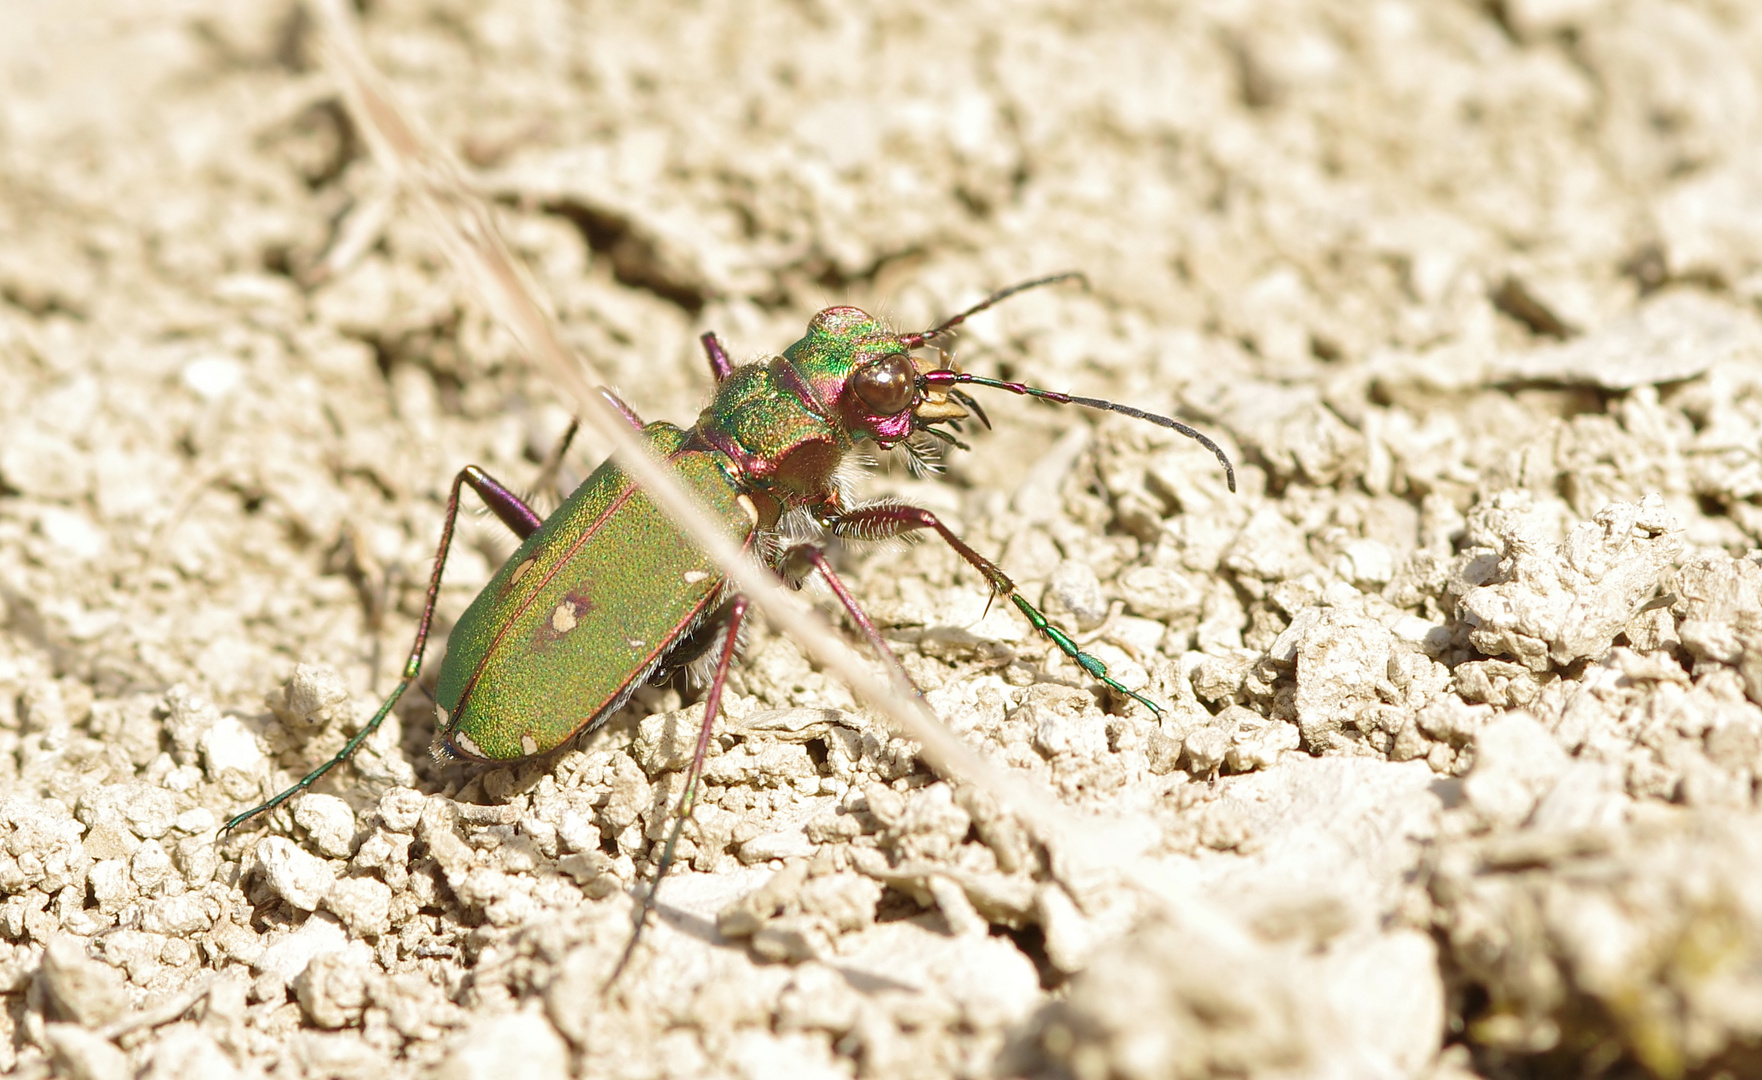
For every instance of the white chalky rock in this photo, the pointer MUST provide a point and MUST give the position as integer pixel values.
(187, 1052)
(197, 859)
(1677, 334)
(1074, 596)
(1389, 1000)
(1366, 563)
(41, 846)
(363, 903)
(1161, 593)
(333, 988)
(197, 819)
(1591, 937)
(85, 1055)
(314, 694)
(188, 717)
(177, 916)
(1259, 745)
(143, 809)
(1061, 730)
(1516, 762)
(1204, 748)
(1341, 660)
(290, 954)
(401, 808)
(783, 844)
(78, 988)
(109, 884)
(228, 745)
(522, 1044)
(300, 878)
(1554, 604)
(329, 823)
(149, 867)
(1169, 1001)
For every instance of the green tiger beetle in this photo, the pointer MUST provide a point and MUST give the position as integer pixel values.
(607, 592)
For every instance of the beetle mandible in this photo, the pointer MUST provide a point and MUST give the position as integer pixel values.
(607, 591)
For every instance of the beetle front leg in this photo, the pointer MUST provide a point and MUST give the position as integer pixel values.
(688, 798)
(884, 520)
(513, 513)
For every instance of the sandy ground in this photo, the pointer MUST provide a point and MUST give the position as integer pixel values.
(1457, 771)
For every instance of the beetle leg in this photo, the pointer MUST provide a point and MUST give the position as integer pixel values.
(720, 365)
(815, 555)
(887, 519)
(883, 520)
(688, 798)
(553, 462)
(518, 517)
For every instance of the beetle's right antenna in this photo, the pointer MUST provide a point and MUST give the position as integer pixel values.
(945, 378)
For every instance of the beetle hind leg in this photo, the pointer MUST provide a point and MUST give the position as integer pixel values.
(519, 518)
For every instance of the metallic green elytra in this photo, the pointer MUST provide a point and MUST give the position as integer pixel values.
(607, 591)
(583, 612)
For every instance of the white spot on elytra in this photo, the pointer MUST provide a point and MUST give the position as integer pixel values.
(635, 643)
(563, 618)
(520, 571)
(692, 577)
(463, 741)
(528, 745)
(441, 717)
(750, 508)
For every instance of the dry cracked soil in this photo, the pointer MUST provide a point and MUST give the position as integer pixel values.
(1457, 765)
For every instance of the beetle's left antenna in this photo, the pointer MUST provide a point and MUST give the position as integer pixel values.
(913, 341)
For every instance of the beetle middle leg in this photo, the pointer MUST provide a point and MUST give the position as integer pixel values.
(553, 462)
(520, 519)
(886, 519)
(736, 613)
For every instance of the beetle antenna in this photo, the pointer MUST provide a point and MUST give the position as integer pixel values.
(946, 378)
(913, 341)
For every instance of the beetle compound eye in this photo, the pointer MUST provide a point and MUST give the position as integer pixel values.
(888, 385)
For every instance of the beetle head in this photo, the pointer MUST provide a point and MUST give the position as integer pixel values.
(864, 376)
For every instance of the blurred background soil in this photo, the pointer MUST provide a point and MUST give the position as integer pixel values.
(1458, 771)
